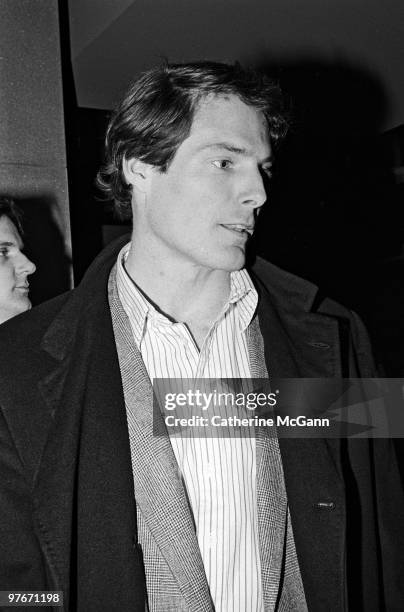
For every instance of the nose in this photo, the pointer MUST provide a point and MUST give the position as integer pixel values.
(255, 194)
(25, 265)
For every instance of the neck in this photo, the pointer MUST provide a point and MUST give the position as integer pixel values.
(184, 291)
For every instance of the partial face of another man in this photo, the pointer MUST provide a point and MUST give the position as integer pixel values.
(203, 209)
(15, 268)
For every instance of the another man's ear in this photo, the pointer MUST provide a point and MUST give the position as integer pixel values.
(136, 173)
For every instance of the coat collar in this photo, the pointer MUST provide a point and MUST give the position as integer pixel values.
(90, 297)
(85, 303)
(286, 290)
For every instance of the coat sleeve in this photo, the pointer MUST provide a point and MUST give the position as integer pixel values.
(374, 462)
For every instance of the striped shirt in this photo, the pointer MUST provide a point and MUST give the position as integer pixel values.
(219, 474)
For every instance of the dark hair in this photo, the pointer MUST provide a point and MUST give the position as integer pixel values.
(156, 114)
(8, 208)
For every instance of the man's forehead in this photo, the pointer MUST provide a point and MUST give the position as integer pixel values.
(227, 121)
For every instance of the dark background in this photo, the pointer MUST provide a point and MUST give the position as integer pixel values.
(335, 211)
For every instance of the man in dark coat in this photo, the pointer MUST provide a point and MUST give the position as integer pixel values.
(97, 506)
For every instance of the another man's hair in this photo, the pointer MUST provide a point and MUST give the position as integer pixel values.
(8, 208)
(156, 115)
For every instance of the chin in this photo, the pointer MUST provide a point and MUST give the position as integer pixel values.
(23, 306)
(14, 309)
(230, 261)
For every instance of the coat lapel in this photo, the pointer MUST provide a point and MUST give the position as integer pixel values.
(54, 478)
(159, 491)
(83, 496)
(271, 493)
(304, 344)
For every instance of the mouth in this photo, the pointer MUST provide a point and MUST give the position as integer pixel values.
(239, 228)
(23, 288)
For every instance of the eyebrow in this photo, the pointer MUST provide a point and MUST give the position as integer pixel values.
(6, 243)
(233, 149)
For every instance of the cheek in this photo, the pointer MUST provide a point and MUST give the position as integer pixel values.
(188, 203)
(6, 281)
(179, 212)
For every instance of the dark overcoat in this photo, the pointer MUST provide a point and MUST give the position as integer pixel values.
(67, 508)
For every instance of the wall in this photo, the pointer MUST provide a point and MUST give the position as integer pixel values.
(32, 142)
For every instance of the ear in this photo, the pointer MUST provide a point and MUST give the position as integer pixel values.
(136, 173)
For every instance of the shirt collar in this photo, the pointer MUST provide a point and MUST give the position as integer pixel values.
(243, 296)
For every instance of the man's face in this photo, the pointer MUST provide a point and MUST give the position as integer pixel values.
(14, 270)
(203, 209)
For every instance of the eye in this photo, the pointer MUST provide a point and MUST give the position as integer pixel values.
(3, 251)
(222, 164)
